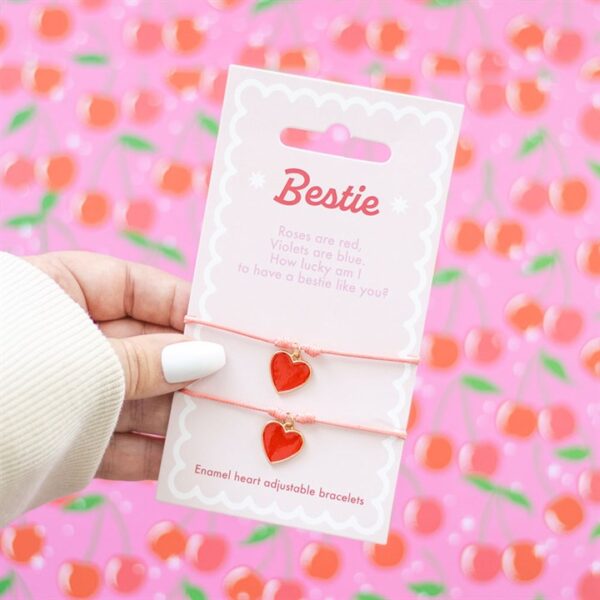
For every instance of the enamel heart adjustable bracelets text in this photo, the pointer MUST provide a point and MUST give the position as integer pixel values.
(281, 440)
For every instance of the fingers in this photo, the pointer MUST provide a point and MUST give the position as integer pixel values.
(161, 363)
(120, 328)
(131, 457)
(113, 289)
(148, 415)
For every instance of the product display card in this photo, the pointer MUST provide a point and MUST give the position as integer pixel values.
(313, 271)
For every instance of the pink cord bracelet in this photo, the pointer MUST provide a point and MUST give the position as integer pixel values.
(281, 439)
(310, 350)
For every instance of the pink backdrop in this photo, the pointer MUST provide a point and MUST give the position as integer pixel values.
(108, 113)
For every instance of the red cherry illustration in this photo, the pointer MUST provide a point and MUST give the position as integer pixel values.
(524, 313)
(125, 573)
(485, 64)
(526, 96)
(386, 37)
(320, 560)
(242, 583)
(562, 323)
(283, 589)
(173, 177)
(516, 419)
(589, 123)
(255, 56)
(588, 257)
(588, 587)
(504, 236)
(435, 64)
(97, 110)
(563, 514)
(139, 215)
(55, 172)
(183, 35)
(389, 554)
(588, 485)
(440, 351)
(166, 540)
(529, 195)
(16, 171)
(79, 579)
(142, 106)
(464, 154)
(92, 208)
(525, 35)
(483, 345)
(206, 552)
(21, 543)
(434, 451)
(143, 36)
(423, 515)
(10, 78)
(479, 458)
(562, 45)
(464, 235)
(556, 422)
(480, 562)
(568, 196)
(485, 97)
(347, 35)
(521, 561)
(590, 356)
(51, 22)
(41, 79)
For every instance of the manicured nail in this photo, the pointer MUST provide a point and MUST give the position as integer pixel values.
(187, 361)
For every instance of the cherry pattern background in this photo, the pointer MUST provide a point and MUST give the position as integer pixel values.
(109, 112)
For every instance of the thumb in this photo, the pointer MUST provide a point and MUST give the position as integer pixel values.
(160, 363)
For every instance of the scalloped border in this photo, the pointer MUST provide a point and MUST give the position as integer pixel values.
(412, 345)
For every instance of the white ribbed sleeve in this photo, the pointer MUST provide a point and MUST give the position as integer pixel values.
(61, 390)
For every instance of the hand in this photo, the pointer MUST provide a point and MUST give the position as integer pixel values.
(140, 310)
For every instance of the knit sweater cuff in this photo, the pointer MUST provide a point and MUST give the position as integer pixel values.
(61, 392)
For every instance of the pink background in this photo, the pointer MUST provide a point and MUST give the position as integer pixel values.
(495, 126)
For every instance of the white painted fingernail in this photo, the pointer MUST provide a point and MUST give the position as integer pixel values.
(187, 361)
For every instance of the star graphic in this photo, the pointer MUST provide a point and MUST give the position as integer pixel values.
(399, 205)
(257, 180)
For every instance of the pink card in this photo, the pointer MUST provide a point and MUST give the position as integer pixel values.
(333, 252)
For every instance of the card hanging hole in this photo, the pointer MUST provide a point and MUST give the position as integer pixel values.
(336, 140)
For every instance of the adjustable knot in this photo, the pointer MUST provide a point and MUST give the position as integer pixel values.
(285, 344)
(311, 350)
(305, 419)
(277, 414)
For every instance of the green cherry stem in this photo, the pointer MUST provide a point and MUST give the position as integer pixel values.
(118, 517)
(542, 384)
(456, 28)
(531, 364)
(488, 187)
(23, 586)
(412, 479)
(95, 537)
(454, 304)
(288, 553)
(558, 153)
(484, 521)
(467, 416)
(502, 521)
(483, 316)
(435, 565)
(537, 466)
(439, 413)
(566, 277)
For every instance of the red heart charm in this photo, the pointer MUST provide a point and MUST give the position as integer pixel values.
(281, 441)
(287, 372)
